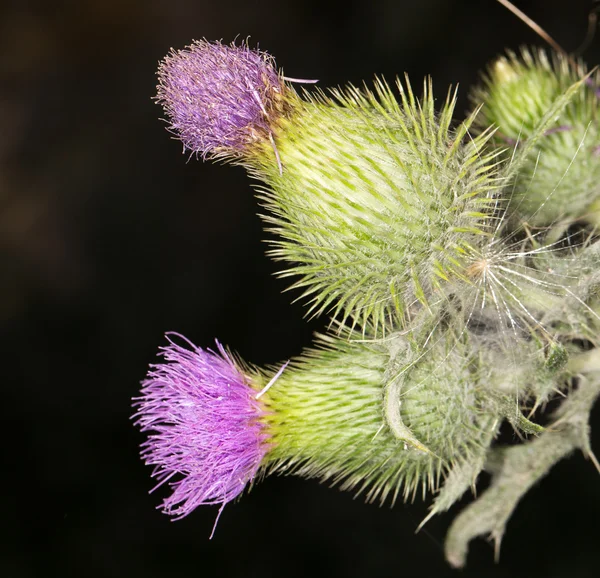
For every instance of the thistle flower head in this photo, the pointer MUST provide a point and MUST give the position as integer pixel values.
(218, 98)
(205, 436)
(377, 200)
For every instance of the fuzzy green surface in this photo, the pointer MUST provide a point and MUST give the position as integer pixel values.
(577, 318)
(561, 177)
(325, 418)
(527, 300)
(376, 200)
(443, 403)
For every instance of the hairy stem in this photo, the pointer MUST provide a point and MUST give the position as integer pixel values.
(515, 469)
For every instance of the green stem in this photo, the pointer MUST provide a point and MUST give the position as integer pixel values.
(515, 469)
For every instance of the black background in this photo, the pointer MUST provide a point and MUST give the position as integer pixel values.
(109, 238)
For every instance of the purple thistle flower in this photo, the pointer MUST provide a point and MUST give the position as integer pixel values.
(206, 436)
(219, 99)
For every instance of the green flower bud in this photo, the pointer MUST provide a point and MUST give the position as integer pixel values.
(376, 418)
(374, 201)
(560, 179)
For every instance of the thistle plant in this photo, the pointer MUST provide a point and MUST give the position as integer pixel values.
(458, 263)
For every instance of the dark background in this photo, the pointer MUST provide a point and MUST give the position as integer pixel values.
(109, 238)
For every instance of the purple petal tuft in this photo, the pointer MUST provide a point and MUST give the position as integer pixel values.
(218, 98)
(206, 437)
